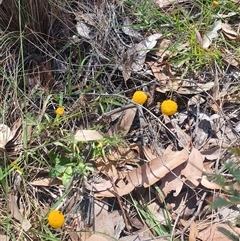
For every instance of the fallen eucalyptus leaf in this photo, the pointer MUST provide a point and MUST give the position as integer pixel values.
(211, 34)
(145, 175)
(5, 135)
(25, 224)
(194, 167)
(189, 89)
(95, 237)
(231, 34)
(134, 58)
(87, 135)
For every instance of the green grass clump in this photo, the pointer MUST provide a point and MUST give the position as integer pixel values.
(179, 25)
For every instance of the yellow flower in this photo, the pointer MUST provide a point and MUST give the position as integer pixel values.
(215, 3)
(169, 107)
(59, 110)
(139, 97)
(56, 219)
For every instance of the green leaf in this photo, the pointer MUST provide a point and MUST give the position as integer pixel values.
(229, 234)
(67, 175)
(220, 202)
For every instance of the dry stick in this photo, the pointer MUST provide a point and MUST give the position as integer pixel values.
(128, 226)
(115, 111)
(141, 120)
(177, 219)
(194, 216)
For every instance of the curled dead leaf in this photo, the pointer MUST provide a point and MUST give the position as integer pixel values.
(210, 185)
(230, 33)
(25, 224)
(146, 175)
(151, 172)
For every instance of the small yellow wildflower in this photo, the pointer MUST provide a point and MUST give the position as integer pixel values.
(59, 110)
(56, 219)
(139, 97)
(169, 107)
(215, 3)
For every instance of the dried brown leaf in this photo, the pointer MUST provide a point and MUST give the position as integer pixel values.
(108, 169)
(183, 137)
(5, 135)
(196, 99)
(212, 233)
(108, 222)
(46, 182)
(213, 153)
(211, 34)
(4, 237)
(162, 49)
(126, 121)
(146, 175)
(193, 170)
(210, 185)
(87, 135)
(105, 188)
(231, 34)
(141, 237)
(172, 182)
(193, 233)
(198, 37)
(95, 237)
(134, 58)
(126, 154)
(188, 88)
(129, 30)
(25, 224)
(157, 70)
(151, 172)
(148, 153)
(229, 58)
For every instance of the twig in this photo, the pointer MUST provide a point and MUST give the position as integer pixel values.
(178, 217)
(128, 226)
(113, 112)
(194, 216)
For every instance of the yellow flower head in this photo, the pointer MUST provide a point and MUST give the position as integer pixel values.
(59, 110)
(139, 97)
(56, 219)
(169, 107)
(215, 3)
